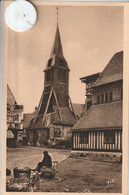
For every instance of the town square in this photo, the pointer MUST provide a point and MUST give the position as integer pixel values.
(65, 102)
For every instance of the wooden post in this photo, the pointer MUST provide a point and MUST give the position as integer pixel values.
(72, 107)
(47, 104)
(57, 104)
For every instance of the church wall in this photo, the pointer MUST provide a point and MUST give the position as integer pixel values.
(37, 137)
(43, 136)
(116, 89)
(58, 132)
(30, 137)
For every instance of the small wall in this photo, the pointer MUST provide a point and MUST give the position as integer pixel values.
(98, 156)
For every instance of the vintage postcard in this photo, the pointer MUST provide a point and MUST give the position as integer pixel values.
(65, 99)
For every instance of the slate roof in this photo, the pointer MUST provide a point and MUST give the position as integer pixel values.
(101, 117)
(57, 46)
(112, 72)
(56, 56)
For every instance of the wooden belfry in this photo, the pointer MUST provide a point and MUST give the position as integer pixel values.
(55, 115)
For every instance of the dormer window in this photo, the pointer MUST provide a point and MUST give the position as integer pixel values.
(49, 62)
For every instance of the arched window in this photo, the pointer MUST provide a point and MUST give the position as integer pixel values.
(98, 99)
(106, 97)
(110, 96)
(102, 98)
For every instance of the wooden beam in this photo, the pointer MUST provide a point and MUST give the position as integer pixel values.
(57, 104)
(72, 107)
(47, 105)
(39, 106)
(40, 103)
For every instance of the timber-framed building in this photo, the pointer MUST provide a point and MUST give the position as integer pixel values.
(55, 114)
(100, 129)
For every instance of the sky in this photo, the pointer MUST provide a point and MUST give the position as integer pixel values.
(90, 36)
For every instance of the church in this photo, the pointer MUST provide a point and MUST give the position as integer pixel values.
(55, 114)
(100, 129)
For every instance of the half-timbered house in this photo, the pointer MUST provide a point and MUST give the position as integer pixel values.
(14, 121)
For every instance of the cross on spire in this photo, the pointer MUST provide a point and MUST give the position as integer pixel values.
(57, 12)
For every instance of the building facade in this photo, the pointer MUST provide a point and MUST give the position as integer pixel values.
(14, 121)
(89, 81)
(55, 114)
(100, 129)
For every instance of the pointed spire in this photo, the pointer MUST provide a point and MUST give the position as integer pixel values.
(57, 46)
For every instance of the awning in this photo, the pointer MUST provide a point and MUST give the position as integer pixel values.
(11, 126)
(10, 134)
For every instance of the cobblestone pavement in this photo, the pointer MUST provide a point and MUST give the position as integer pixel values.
(30, 156)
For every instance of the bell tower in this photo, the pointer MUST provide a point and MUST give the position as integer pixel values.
(57, 72)
(56, 78)
(55, 114)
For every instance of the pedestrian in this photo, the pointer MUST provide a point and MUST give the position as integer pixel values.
(46, 162)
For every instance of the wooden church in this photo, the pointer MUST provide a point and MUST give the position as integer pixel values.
(55, 114)
(100, 129)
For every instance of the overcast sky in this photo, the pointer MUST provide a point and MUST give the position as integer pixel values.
(90, 37)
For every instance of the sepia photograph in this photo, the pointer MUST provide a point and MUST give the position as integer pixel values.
(64, 102)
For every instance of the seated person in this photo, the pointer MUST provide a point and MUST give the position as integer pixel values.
(47, 161)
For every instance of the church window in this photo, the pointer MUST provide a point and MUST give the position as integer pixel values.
(109, 137)
(61, 75)
(84, 137)
(102, 98)
(106, 97)
(110, 96)
(98, 99)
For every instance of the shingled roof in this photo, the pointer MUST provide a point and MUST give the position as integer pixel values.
(112, 72)
(101, 117)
